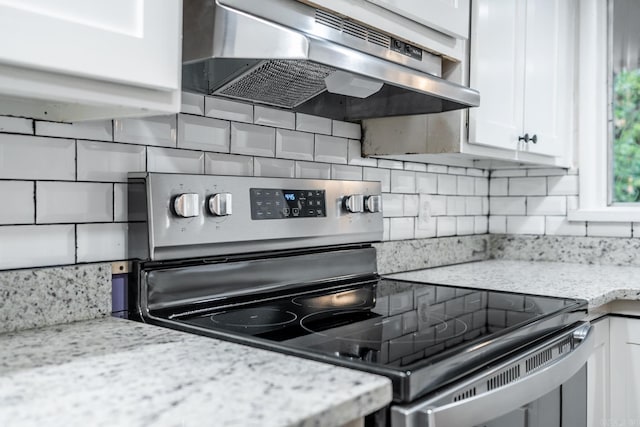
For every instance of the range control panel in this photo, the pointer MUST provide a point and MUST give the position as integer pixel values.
(273, 203)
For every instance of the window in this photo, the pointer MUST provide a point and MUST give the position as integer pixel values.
(625, 91)
(608, 111)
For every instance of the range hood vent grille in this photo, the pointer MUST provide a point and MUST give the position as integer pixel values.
(352, 28)
(282, 83)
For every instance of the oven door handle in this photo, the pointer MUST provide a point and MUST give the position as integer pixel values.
(502, 400)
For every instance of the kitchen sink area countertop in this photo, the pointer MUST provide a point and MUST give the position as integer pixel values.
(598, 284)
(116, 372)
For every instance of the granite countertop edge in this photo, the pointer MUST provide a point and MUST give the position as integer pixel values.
(113, 371)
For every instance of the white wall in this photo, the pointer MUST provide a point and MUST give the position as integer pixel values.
(64, 185)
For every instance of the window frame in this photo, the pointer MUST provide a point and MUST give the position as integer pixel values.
(595, 119)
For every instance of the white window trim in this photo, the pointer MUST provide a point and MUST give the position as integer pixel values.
(594, 120)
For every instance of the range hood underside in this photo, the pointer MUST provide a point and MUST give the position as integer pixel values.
(210, 75)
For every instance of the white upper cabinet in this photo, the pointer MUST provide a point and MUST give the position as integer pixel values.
(79, 59)
(447, 16)
(522, 62)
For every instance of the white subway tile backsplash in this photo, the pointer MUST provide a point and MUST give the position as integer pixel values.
(313, 170)
(437, 168)
(315, 124)
(401, 228)
(382, 175)
(228, 164)
(274, 117)
(465, 225)
(498, 186)
(437, 205)
(426, 183)
(573, 202)
(609, 229)
(425, 229)
(331, 149)
(473, 205)
(228, 110)
(70, 202)
(499, 173)
(403, 181)
(390, 164)
(485, 206)
(456, 171)
(525, 224)
(497, 224)
(18, 206)
(174, 161)
(416, 167)
(386, 225)
(456, 205)
(636, 229)
(102, 242)
(475, 172)
(294, 145)
(447, 184)
(347, 130)
(507, 205)
(392, 204)
(108, 161)
(546, 172)
(158, 130)
(34, 157)
(120, 202)
(203, 133)
(101, 130)
(562, 185)
(37, 245)
(278, 168)
(192, 103)
(536, 186)
(353, 173)
(446, 226)
(482, 187)
(549, 205)
(253, 140)
(481, 225)
(411, 204)
(466, 186)
(16, 125)
(560, 226)
(355, 155)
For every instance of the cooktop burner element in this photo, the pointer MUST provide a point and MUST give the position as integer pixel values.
(253, 318)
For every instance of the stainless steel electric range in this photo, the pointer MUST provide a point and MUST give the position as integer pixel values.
(288, 265)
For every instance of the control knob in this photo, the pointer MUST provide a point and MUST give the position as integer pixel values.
(373, 203)
(221, 204)
(187, 205)
(354, 203)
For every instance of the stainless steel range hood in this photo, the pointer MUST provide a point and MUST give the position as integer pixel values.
(291, 55)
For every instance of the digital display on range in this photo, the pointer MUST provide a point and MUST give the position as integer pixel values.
(275, 203)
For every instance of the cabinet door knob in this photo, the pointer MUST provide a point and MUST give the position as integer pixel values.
(534, 139)
(524, 138)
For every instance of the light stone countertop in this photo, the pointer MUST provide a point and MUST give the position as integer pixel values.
(117, 372)
(598, 284)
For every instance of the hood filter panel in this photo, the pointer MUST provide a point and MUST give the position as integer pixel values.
(281, 83)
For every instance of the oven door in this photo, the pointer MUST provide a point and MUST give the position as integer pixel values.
(542, 386)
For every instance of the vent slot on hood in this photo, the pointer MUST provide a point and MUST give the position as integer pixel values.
(352, 28)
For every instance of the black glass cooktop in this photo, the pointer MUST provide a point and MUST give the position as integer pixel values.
(393, 326)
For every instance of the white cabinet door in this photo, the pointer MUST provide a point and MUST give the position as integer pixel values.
(448, 16)
(625, 371)
(80, 60)
(550, 28)
(598, 376)
(497, 70)
(125, 41)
